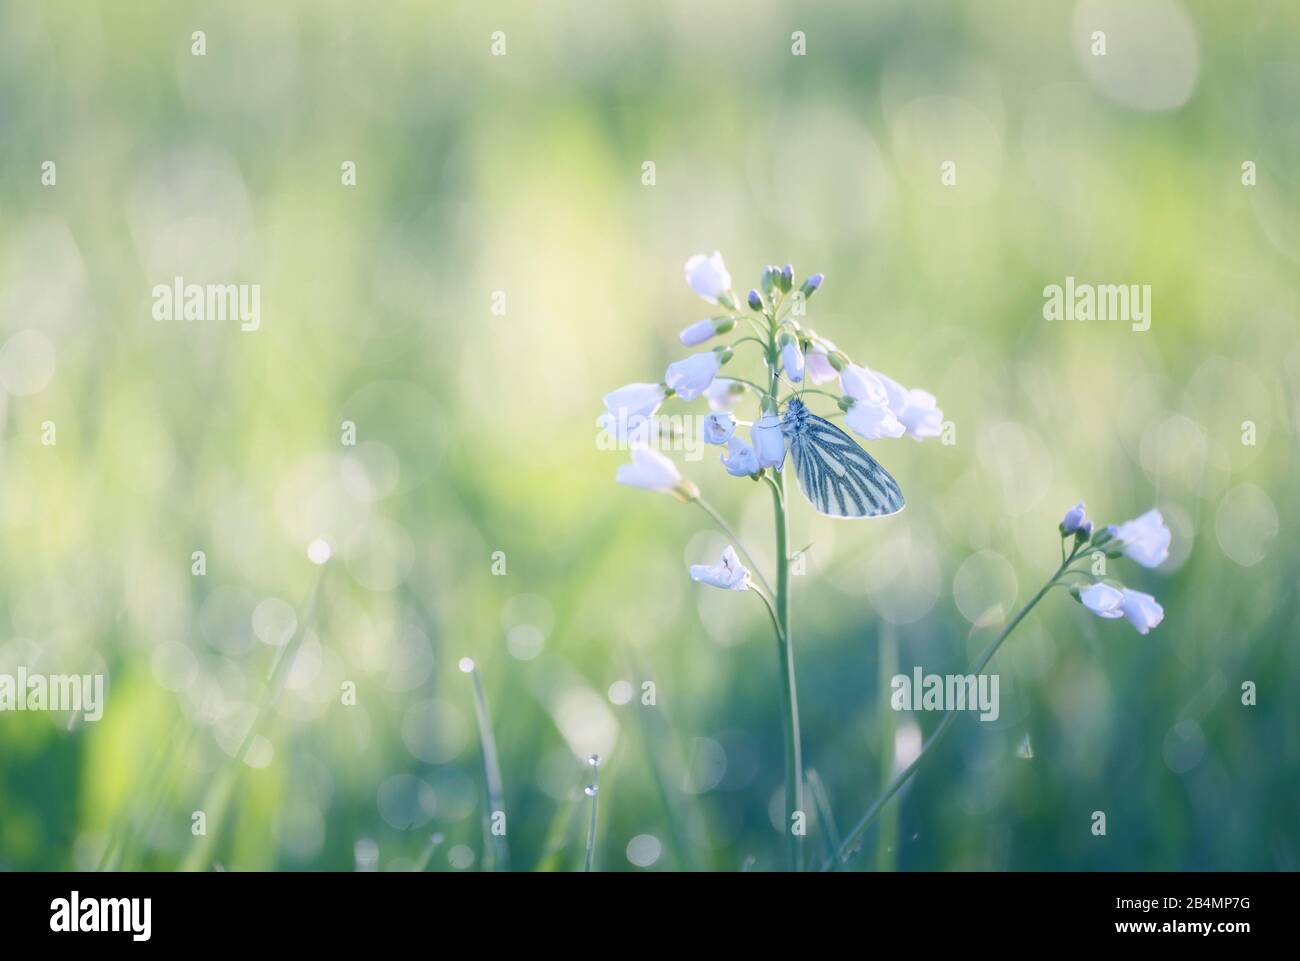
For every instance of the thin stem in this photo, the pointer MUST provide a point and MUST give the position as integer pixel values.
(785, 648)
(748, 383)
(904, 775)
(789, 695)
(776, 624)
(741, 340)
(491, 773)
(726, 529)
(593, 792)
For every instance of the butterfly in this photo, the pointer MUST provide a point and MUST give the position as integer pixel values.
(837, 476)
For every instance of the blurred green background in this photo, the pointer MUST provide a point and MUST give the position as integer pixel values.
(522, 174)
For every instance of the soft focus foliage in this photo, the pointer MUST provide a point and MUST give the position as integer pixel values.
(476, 431)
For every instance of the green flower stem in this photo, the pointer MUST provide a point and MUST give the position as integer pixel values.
(749, 383)
(853, 837)
(784, 640)
(789, 696)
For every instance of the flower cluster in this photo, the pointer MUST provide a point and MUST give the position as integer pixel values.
(874, 405)
(1144, 539)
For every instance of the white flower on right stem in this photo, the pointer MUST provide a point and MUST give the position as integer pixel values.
(1145, 539)
(728, 574)
(1143, 611)
(1103, 600)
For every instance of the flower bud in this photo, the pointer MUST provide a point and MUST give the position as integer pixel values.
(768, 282)
(1073, 519)
(811, 284)
(755, 300)
(787, 278)
(698, 332)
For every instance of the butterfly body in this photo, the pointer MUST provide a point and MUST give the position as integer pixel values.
(837, 476)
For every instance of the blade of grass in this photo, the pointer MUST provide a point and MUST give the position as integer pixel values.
(829, 832)
(423, 864)
(220, 791)
(887, 833)
(593, 792)
(493, 843)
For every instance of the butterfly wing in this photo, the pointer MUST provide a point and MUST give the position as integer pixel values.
(837, 476)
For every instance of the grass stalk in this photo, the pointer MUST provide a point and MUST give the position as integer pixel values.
(494, 843)
(593, 792)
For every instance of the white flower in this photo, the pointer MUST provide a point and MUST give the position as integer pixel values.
(719, 427)
(650, 470)
(728, 573)
(740, 460)
(1103, 600)
(769, 441)
(708, 276)
(698, 332)
(1074, 518)
(863, 386)
(873, 421)
(635, 400)
(723, 393)
(792, 361)
(817, 363)
(1146, 539)
(691, 376)
(915, 409)
(1142, 610)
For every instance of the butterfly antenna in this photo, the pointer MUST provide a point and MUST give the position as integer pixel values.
(795, 388)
